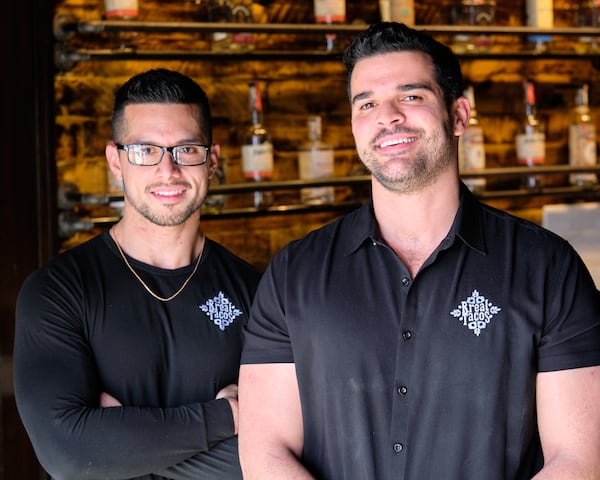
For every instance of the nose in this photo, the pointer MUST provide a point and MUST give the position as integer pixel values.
(390, 113)
(167, 165)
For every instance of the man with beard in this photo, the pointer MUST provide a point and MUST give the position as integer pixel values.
(127, 347)
(425, 336)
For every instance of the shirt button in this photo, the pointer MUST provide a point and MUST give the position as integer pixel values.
(407, 335)
(405, 282)
(402, 390)
(398, 447)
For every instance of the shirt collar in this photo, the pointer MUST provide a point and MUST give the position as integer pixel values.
(467, 225)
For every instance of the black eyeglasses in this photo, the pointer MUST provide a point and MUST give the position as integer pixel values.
(147, 155)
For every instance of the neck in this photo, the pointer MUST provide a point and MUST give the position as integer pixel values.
(414, 224)
(163, 247)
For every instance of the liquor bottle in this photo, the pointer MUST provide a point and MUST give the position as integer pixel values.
(540, 14)
(257, 149)
(531, 139)
(402, 11)
(471, 147)
(315, 160)
(330, 11)
(477, 13)
(582, 139)
(121, 9)
(230, 11)
(587, 16)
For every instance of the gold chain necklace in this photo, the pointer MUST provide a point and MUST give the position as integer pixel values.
(162, 299)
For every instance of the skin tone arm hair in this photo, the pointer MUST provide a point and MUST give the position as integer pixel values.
(271, 432)
(569, 423)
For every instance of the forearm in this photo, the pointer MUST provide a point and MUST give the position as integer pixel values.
(571, 468)
(124, 442)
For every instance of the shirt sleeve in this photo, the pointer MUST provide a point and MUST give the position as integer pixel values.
(266, 336)
(219, 463)
(571, 336)
(57, 390)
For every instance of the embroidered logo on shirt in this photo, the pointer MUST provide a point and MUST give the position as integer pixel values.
(221, 311)
(475, 312)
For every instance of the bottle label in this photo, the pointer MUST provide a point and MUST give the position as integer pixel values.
(121, 8)
(471, 156)
(531, 148)
(316, 163)
(582, 144)
(473, 149)
(402, 11)
(257, 161)
(582, 151)
(330, 11)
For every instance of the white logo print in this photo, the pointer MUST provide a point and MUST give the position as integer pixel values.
(221, 311)
(475, 312)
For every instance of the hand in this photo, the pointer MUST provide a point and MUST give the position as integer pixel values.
(230, 392)
(107, 400)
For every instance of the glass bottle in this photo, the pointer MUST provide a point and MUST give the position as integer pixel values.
(230, 11)
(315, 160)
(531, 139)
(471, 147)
(329, 12)
(121, 9)
(540, 14)
(257, 149)
(477, 13)
(402, 11)
(582, 139)
(587, 15)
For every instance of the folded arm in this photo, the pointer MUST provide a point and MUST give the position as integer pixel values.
(568, 403)
(58, 387)
(271, 432)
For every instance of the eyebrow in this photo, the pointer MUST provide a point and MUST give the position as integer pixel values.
(400, 88)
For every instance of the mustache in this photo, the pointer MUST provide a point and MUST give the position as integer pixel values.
(180, 183)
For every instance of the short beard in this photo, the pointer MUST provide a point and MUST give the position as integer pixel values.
(423, 171)
(169, 219)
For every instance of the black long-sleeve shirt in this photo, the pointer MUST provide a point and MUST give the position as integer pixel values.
(85, 325)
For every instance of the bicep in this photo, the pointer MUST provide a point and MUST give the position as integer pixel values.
(568, 414)
(270, 411)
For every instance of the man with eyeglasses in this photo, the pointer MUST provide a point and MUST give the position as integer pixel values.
(127, 347)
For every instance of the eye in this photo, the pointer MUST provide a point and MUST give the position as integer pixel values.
(188, 149)
(411, 99)
(146, 150)
(366, 106)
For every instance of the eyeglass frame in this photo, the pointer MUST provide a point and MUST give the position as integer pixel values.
(172, 150)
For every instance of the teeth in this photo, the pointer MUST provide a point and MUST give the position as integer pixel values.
(397, 141)
(168, 194)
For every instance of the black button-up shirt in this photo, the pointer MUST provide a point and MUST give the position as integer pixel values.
(432, 377)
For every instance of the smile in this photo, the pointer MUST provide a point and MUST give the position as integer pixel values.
(168, 193)
(397, 141)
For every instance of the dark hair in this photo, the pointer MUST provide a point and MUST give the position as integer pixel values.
(161, 86)
(389, 37)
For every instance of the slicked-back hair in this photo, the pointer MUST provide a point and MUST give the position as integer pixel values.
(161, 86)
(390, 37)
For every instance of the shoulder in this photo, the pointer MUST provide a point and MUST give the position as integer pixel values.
(219, 256)
(500, 221)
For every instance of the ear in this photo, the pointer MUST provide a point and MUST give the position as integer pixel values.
(213, 159)
(462, 112)
(114, 160)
